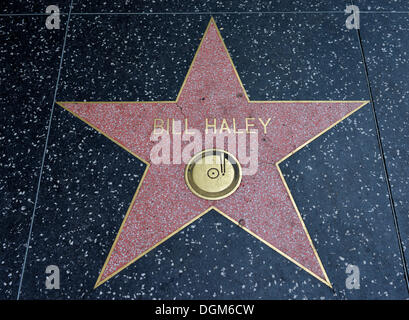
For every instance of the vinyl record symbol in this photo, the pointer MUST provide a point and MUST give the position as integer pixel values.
(213, 174)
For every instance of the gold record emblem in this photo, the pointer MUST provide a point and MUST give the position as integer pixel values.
(213, 174)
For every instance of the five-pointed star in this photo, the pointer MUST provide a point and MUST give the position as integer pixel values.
(163, 204)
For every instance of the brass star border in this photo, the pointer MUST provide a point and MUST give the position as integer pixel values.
(327, 281)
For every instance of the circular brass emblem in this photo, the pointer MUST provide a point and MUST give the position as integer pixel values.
(213, 174)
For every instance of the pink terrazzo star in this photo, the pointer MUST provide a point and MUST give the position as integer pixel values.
(164, 204)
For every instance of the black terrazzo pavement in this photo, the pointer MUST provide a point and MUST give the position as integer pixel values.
(213, 6)
(386, 47)
(88, 184)
(29, 62)
(128, 58)
(33, 7)
(346, 208)
(382, 5)
(295, 56)
(88, 181)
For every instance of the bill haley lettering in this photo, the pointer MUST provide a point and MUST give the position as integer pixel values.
(214, 125)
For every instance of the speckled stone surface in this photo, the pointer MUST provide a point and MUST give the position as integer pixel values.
(346, 210)
(295, 56)
(29, 60)
(178, 6)
(210, 259)
(87, 186)
(36, 7)
(141, 58)
(89, 181)
(382, 5)
(386, 47)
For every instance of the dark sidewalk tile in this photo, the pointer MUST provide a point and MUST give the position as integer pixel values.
(213, 259)
(382, 5)
(295, 56)
(386, 48)
(32, 6)
(207, 6)
(129, 58)
(87, 186)
(337, 182)
(278, 57)
(29, 62)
